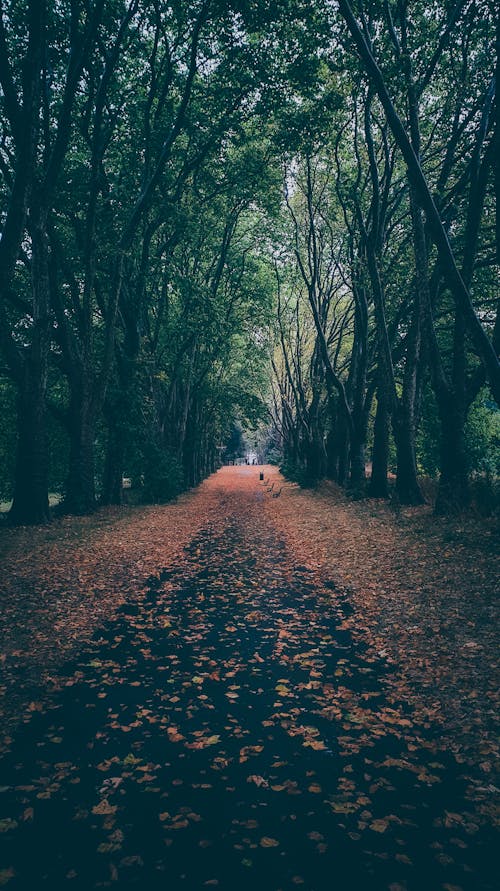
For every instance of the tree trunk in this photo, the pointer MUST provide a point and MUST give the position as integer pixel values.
(31, 500)
(404, 422)
(313, 461)
(315, 451)
(332, 456)
(343, 455)
(357, 455)
(356, 388)
(407, 487)
(453, 492)
(378, 487)
(80, 484)
(112, 488)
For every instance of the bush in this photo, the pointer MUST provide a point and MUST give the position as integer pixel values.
(163, 475)
(486, 494)
(483, 438)
(299, 475)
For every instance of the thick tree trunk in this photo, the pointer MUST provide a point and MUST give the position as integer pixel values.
(453, 491)
(378, 486)
(332, 458)
(315, 453)
(112, 488)
(31, 500)
(80, 485)
(407, 487)
(313, 462)
(340, 442)
(404, 419)
(358, 462)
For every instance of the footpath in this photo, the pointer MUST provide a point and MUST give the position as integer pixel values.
(228, 709)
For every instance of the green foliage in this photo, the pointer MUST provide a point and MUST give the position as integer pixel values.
(483, 437)
(163, 475)
(428, 435)
(168, 230)
(298, 474)
(235, 444)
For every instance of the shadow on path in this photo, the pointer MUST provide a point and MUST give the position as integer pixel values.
(228, 731)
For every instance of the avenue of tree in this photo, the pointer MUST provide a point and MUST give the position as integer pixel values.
(217, 213)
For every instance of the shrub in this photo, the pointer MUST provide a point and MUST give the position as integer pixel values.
(163, 475)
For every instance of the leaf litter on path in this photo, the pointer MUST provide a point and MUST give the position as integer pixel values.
(320, 770)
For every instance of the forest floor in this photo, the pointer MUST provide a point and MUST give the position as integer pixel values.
(239, 690)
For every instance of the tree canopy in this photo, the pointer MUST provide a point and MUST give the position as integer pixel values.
(219, 215)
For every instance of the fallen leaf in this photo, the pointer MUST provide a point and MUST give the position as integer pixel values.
(258, 780)
(267, 842)
(104, 807)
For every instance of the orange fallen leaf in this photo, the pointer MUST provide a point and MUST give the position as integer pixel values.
(104, 807)
(314, 787)
(258, 780)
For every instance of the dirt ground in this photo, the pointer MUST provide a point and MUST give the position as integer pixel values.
(426, 591)
(60, 582)
(392, 616)
(426, 588)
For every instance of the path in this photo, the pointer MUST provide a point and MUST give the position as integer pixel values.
(226, 730)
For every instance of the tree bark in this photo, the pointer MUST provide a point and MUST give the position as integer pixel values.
(31, 501)
(112, 487)
(32, 454)
(357, 477)
(407, 487)
(453, 492)
(80, 485)
(378, 486)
